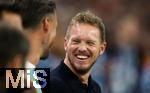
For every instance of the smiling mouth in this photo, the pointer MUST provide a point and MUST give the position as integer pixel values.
(82, 57)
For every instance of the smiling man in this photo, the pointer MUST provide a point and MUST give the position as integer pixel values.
(84, 43)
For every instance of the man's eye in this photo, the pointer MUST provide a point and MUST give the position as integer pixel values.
(76, 41)
(90, 43)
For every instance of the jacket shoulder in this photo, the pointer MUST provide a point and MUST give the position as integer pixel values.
(97, 88)
(58, 85)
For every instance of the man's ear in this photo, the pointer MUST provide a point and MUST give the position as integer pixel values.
(102, 48)
(65, 43)
(45, 24)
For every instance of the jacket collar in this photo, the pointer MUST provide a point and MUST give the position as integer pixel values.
(74, 82)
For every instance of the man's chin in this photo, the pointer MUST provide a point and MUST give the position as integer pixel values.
(82, 71)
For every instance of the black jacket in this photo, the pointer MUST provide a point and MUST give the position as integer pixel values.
(63, 80)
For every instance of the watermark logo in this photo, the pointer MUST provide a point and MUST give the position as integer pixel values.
(25, 78)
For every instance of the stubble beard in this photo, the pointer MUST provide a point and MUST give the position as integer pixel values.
(78, 70)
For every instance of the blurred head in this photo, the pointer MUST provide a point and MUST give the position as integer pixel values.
(10, 14)
(40, 14)
(14, 47)
(127, 24)
(84, 42)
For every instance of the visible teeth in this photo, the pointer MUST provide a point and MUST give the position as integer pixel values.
(82, 57)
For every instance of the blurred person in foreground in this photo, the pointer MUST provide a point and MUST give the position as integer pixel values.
(40, 23)
(84, 43)
(10, 13)
(14, 48)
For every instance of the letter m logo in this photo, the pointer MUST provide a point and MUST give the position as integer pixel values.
(14, 83)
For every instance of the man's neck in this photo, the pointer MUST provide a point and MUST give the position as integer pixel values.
(84, 78)
(35, 47)
(34, 58)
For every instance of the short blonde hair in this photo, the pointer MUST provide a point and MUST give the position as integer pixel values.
(88, 18)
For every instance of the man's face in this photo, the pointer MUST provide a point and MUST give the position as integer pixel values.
(50, 37)
(83, 46)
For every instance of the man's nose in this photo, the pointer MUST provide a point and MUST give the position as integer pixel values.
(82, 47)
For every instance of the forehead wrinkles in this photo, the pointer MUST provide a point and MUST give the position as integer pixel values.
(85, 30)
(76, 29)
